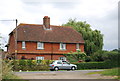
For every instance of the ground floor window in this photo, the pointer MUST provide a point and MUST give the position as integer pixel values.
(39, 58)
(62, 58)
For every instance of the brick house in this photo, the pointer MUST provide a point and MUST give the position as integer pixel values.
(43, 41)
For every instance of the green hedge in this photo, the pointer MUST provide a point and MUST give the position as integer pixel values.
(30, 65)
(97, 65)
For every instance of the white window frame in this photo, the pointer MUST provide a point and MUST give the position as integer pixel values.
(77, 46)
(62, 46)
(39, 58)
(23, 45)
(40, 45)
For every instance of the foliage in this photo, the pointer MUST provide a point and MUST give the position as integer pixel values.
(30, 65)
(106, 59)
(98, 56)
(88, 59)
(112, 56)
(93, 38)
(96, 65)
(105, 56)
(7, 71)
(78, 56)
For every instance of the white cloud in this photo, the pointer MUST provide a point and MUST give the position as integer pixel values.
(98, 13)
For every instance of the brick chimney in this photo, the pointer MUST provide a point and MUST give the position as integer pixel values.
(46, 22)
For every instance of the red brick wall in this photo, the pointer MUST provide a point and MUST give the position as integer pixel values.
(11, 47)
(31, 50)
(31, 47)
(46, 56)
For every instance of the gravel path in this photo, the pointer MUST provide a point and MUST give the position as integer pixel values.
(78, 74)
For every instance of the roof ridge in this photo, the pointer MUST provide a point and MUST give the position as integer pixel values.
(60, 26)
(42, 25)
(30, 24)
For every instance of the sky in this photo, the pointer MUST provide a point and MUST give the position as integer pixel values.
(100, 14)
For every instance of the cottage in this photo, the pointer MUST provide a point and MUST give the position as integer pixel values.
(34, 41)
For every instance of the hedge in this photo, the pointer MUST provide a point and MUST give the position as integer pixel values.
(97, 65)
(30, 65)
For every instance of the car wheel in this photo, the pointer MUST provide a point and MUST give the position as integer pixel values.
(56, 68)
(73, 68)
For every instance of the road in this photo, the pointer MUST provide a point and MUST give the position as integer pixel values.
(78, 74)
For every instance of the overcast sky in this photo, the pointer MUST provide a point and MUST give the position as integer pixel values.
(100, 14)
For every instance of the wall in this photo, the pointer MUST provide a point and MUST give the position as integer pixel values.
(31, 47)
(31, 50)
(11, 47)
(46, 56)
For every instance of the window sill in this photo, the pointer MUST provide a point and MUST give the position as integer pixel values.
(62, 49)
(23, 48)
(40, 48)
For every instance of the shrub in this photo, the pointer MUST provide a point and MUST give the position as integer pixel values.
(105, 55)
(30, 65)
(97, 65)
(7, 71)
(97, 56)
(88, 59)
(113, 56)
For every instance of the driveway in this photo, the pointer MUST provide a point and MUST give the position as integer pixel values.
(78, 74)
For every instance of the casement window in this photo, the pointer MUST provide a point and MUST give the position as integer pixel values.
(77, 47)
(40, 45)
(62, 46)
(39, 58)
(23, 44)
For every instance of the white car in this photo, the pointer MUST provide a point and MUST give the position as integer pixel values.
(62, 65)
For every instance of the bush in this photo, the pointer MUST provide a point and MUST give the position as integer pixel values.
(113, 56)
(88, 59)
(97, 65)
(97, 56)
(7, 71)
(105, 55)
(30, 65)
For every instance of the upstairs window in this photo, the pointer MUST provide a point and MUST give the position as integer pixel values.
(77, 47)
(62, 46)
(23, 44)
(40, 45)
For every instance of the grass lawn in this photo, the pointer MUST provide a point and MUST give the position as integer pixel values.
(109, 72)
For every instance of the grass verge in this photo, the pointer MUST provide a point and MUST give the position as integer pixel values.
(109, 72)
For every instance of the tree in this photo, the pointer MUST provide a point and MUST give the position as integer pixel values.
(93, 38)
(78, 56)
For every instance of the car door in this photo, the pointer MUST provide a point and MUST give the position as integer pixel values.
(59, 65)
(66, 65)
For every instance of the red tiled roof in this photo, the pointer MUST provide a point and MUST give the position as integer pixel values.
(34, 32)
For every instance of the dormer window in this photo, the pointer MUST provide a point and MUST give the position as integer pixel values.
(23, 44)
(40, 45)
(62, 46)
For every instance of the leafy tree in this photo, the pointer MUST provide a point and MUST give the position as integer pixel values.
(78, 56)
(93, 38)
